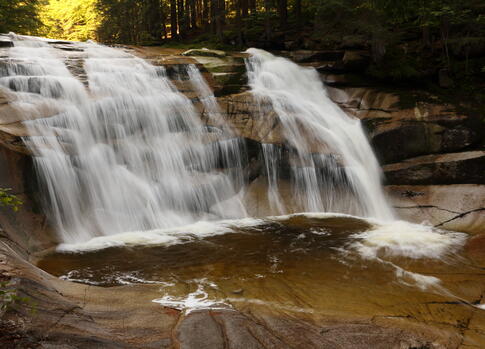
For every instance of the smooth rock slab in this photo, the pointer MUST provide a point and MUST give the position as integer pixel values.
(459, 207)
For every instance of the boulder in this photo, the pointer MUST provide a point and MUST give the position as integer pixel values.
(452, 168)
(204, 52)
(459, 207)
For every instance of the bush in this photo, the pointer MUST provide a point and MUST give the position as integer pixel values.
(9, 200)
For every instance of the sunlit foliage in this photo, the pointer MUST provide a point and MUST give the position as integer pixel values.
(70, 19)
(9, 200)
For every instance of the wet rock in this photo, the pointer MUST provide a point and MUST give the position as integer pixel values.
(475, 249)
(251, 118)
(204, 52)
(459, 207)
(5, 41)
(452, 168)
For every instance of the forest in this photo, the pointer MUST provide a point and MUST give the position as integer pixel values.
(407, 39)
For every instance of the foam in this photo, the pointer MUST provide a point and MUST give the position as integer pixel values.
(404, 239)
(161, 237)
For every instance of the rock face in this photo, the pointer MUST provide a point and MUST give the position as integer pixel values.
(451, 168)
(459, 207)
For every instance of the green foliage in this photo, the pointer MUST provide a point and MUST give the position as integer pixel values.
(70, 19)
(19, 16)
(9, 297)
(398, 66)
(9, 200)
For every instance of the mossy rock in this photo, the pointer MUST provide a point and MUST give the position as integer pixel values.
(205, 52)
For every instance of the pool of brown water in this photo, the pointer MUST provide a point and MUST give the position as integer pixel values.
(297, 265)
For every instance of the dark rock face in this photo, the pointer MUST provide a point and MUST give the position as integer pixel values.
(408, 139)
(453, 168)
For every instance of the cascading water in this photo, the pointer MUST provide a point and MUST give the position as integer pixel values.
(333, 168)
(128, 154)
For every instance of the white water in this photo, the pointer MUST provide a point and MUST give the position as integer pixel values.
(348, 178)
(129, 153)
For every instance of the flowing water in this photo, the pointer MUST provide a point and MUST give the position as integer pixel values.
(332, 165)
(142, 191)
(129, 152)
(126, 154)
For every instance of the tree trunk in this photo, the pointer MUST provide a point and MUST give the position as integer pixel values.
(186, 16)
(219, 14)
(181, 17)
(153, 21)
(222, 11)
(193, 15)
(244, 8)
(173, 19)
(238, 5)
(213, 16)
(252, 6)
(205, 14)
(267, 21)
(298, 13)
(283, 13)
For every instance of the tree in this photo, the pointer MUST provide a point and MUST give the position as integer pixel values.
(19, 16)
(71, 20)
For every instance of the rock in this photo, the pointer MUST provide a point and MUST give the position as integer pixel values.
(458, 207)
(204, 52)
(242, 111)
(238, 291)
(5, 41)
(452, 168)
(393, 119)
(356, 60)
(333, 67)
(354, 42)
(475, 249)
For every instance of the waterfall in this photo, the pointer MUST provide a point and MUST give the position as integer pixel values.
(129, 153)
(333, 168)
(120, 149)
